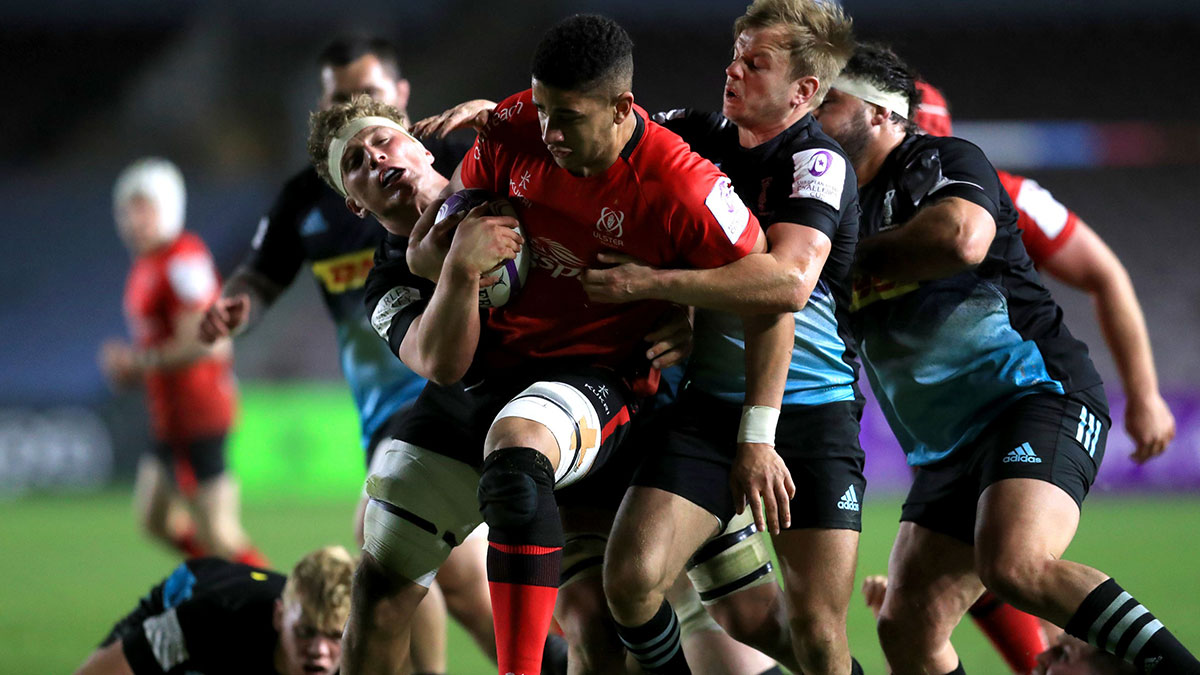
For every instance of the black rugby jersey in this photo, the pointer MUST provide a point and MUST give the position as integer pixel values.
(209, 616)
(309, 223)
(800, 176)
(946, 356)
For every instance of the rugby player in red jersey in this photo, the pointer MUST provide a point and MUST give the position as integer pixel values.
(545, 385)
(189, 385)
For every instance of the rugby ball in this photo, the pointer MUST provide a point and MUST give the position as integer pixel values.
(510, 275)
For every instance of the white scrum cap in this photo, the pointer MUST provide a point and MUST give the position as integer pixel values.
(159, 181)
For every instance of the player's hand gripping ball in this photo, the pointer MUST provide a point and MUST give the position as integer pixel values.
(511, 274)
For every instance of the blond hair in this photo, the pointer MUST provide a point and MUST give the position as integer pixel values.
(324, 125)
(818, 36)
(320, 585)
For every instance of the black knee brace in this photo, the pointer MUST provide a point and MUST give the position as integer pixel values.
(516, 498)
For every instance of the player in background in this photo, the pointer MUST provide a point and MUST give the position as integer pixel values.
(564, 375)
(801, 186)
(992, 399)
(309, 225)
(1064, 246)
(215, 616)
(189, 385)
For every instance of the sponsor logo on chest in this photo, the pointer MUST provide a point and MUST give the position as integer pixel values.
(345, 272)
(555, 258)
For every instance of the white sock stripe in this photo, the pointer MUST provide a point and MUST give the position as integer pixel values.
(650, 648)
(1105, 616)
(1118, 631)
(670, 645)
(664, 659)
(1143, 636)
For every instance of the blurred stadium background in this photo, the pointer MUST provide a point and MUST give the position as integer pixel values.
(1096, 100)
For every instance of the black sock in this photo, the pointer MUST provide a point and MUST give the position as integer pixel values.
(554, 655)
(855, 667)
(1111, 620)
(655, 644)
(773, 670)
(958, 671)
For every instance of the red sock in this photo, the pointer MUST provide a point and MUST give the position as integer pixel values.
(251, 556)
(523, 581)
(1016, 635)
(187, 543)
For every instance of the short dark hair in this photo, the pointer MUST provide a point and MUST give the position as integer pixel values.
(585, 52)
(878, 64)
(350, 48)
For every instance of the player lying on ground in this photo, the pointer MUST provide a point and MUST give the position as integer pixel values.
(990, 396)
(309, 224)
(786, 54)
(547, 352)
(215, 616)
(184, 495)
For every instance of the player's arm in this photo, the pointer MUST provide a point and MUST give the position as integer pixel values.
(770, 281)
(244, 299)
(440, 342)
(430, 242)
(473, 114)
(107, 660)
(759, 476)
(941, 240)
(276, 255)
(1088, 264)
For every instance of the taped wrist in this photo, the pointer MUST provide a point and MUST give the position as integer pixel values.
(516, 498)
(758, 424)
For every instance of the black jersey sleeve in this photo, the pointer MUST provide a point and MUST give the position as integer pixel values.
(276, 251)
(821, 187)
(697, 128)
(394, 295)
(448, 152)
(958, 168)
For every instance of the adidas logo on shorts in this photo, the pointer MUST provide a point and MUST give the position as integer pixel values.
(1024, 454)
(849, 500)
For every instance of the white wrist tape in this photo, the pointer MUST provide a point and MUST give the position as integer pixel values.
(758, 424)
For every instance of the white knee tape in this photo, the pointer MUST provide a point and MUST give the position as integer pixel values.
(422, 504)
(734, 560)
(570, 418)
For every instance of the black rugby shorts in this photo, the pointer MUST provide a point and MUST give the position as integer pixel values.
(689, 449)
(1050, 437)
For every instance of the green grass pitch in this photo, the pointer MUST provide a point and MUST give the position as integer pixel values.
(70, 566)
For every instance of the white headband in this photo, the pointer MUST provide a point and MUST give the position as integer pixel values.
(869, 92)
(337, 147)
(159, 181)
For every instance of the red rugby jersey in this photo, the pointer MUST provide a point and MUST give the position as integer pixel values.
(1045, 223)
(198, 399)
(660, 202)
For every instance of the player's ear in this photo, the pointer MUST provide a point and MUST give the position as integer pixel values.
(277, 615)
(806, 88)
(877, 114)
(356, 208)
(402, 94)
(622, 106)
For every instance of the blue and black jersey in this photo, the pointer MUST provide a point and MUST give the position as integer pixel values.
(945, 357)
(310, 224)
(801, 176)
(209, 616)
